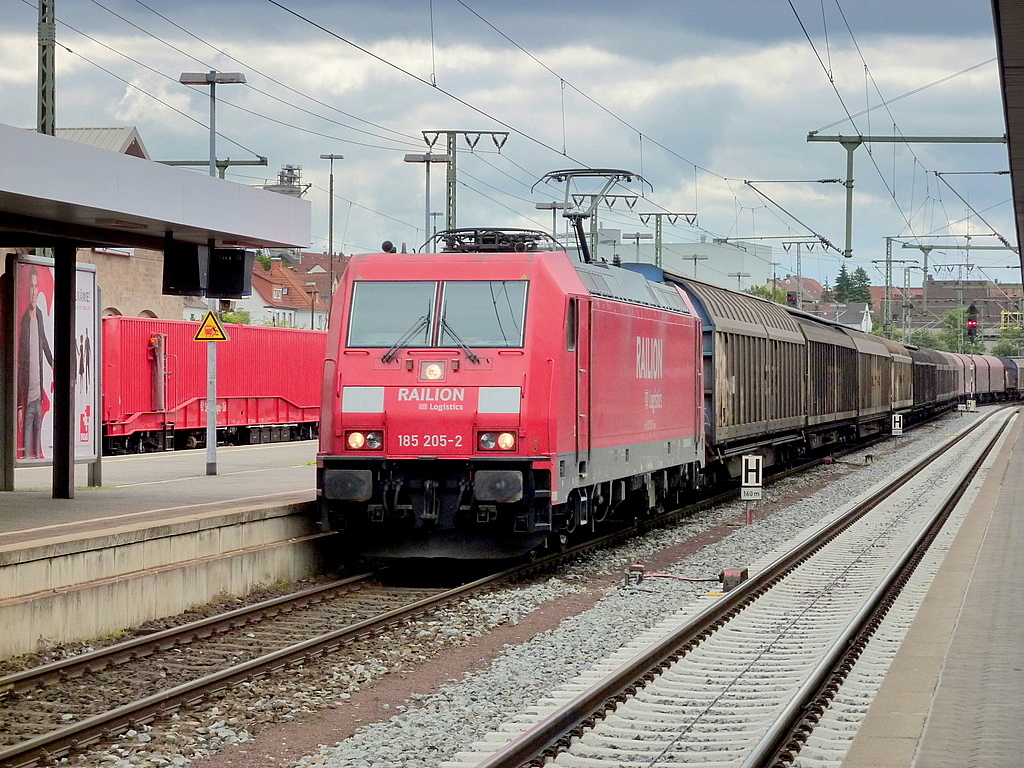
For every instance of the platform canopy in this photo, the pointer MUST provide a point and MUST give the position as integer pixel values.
(1009, 26)
(55, 190)
(64, 195)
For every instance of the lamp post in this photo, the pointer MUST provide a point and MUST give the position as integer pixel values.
(433, 221)
(739, 277)
(330, 224)
(211, 79)
(312, 291)
(695, 258)
(638, 236)
(554, 207)
(427, 158)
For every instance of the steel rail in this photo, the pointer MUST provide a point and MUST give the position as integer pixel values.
(91, 729)
(782, 741)
(584, 708)
(94, 728)
(19, 682)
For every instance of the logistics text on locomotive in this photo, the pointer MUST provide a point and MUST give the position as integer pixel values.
(649, 358)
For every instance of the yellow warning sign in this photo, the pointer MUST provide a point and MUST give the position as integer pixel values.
(211, 329)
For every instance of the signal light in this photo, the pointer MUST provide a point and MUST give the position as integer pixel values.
(972, 322)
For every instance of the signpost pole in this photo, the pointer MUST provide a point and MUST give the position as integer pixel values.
(750, 482)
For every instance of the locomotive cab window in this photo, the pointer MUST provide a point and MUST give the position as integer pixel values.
(482, 313)
(390, 312)
(571, 325)
(473, 313)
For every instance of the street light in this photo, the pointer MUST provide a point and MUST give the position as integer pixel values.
(554, 207)
(638, 236)
(312, 291)
(695, 258)
(211, 79)
(330, 223)
(739, 277)
(427, 158)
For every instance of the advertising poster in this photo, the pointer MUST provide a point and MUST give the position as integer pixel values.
(34, 363)
(87, 441)
(34, 382)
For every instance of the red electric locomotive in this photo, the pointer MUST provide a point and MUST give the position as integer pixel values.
(493, 398)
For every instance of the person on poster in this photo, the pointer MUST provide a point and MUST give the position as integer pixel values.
(33, 348)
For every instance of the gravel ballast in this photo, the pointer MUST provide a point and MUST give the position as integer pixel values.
(427, 729)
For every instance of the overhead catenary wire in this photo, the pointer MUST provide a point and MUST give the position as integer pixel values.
(250, 68)
(157, 99)
(762, 222)
(409, 141)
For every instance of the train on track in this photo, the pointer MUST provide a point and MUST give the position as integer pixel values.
(494, 398)
(154, 385)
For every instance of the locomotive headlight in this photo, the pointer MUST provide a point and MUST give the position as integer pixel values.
(365, 441)
(432, 371)
(502, 441)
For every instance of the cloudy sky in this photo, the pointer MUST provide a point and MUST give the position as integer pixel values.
(697, 96)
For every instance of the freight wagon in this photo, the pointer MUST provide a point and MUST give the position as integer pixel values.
(154, 384)
(496, 397)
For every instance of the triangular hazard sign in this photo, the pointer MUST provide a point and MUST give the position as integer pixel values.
(211, 329)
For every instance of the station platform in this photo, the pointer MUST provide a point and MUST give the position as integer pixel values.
(160, 536)
(152, 487)
(954, 695)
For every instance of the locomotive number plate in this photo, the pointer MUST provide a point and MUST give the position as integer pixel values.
(430, 441)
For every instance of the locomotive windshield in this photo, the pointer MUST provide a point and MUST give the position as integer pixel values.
(483, 313)
(385, 312)
(473, 313)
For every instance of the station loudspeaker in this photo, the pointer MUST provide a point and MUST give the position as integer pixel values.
(185, 268)
(230, 273)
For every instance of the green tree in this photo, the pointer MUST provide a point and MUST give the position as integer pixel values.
(827, 294)
(843, 284)
(776, 294)
(922, 337)
(1009, 342)
(952, 334)
(264, 260)
(242, 316)
(860, 287)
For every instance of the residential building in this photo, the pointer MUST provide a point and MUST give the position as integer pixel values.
(282, 296)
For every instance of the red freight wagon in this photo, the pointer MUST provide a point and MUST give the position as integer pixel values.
(154, 384)
(492, 399)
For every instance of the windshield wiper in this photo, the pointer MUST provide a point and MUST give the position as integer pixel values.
(458, 340)
(416, 328)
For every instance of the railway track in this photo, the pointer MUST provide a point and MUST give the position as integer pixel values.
(742, 681)
(51, 710)
(54, 709)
